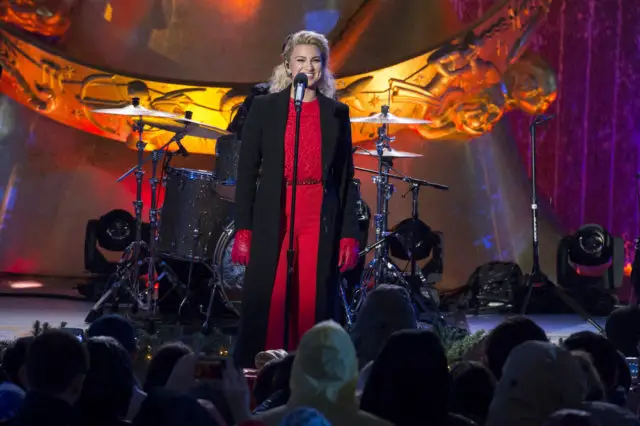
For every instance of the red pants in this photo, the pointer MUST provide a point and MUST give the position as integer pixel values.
(303, 294)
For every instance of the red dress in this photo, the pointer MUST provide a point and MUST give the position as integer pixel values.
(309, 194)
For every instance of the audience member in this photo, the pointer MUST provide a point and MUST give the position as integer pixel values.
(538, 379)
(164, 407)
(273, 390)
(162, 364)
(472, 387)
(571, 418)
(363, 377)
(13, 361)
(609, 414)
(595, 388)
(409, 382)
(623, 330)
(118, 327)
(108, 386)
(56, 365)
(507, 335)
(12, 378)
(182, 379)
(265, 385)
(123, 330)
(324, 376)
(305, 416)
(603, 355)
(265, 357)
(386, 309)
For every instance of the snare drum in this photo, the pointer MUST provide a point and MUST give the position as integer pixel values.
(192, 216)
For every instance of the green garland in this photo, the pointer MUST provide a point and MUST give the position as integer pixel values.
(456, 342)
(458, 349)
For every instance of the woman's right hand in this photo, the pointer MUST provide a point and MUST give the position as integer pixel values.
(241, 247)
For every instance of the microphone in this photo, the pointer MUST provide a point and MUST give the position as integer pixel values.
(299, 84)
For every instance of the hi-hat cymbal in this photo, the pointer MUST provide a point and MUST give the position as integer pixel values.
(187, 126)
(388, 153)
(136, 111)
(388, 118)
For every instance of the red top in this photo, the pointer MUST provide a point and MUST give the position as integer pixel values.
(310, 145)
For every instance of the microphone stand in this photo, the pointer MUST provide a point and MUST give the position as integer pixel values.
(635, 266)
(291, 251)
(537, 277)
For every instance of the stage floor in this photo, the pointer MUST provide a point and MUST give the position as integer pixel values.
(23, 301)
(17, 315)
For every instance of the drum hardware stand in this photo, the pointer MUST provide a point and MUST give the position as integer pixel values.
(137, 245)
(537, 277)
(382, 267)
(216, 289)
(152, 279)
(195, 234)
(414, 188)
(132, 254)
(347, 307)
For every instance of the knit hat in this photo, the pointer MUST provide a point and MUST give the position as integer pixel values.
(116, 326)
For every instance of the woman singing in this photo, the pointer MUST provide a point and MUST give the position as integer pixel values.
(325, 208)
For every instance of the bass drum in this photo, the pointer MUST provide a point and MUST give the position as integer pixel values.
(231, 275)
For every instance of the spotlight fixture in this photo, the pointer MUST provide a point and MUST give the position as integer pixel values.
(116, 230)
(590, 264)
(113, 231)
(428, 245)
(94, 261)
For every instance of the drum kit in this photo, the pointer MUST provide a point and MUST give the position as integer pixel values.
(197, 208)
(410, 240)
(194, 225)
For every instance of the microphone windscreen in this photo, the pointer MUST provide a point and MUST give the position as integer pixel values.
(301, 78)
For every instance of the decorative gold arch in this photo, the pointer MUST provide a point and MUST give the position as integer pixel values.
(463, 86)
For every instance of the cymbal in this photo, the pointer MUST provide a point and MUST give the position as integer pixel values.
(389, 118)
(388, 153)
(187, 126)
(136, 111)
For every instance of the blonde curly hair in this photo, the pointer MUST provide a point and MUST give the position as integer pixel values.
(281, 79)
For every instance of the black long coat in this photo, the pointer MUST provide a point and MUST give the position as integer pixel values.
(259, 208)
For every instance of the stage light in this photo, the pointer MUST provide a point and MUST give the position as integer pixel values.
(590, 251)
(94, 261)
(590, 265)
(116, 230)
(428, 245)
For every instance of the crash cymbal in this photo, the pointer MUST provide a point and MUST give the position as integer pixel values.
(388, 153)
(388, 118)
(135, 111)
(186, 125)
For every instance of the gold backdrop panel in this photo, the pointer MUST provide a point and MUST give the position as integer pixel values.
(463, 86)
(68, 92)
(49, 18)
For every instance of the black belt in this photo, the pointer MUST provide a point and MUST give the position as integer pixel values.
(306, 182)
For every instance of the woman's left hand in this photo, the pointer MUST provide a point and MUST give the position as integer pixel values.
(349, 252)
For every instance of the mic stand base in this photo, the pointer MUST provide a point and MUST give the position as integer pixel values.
(539, 279)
